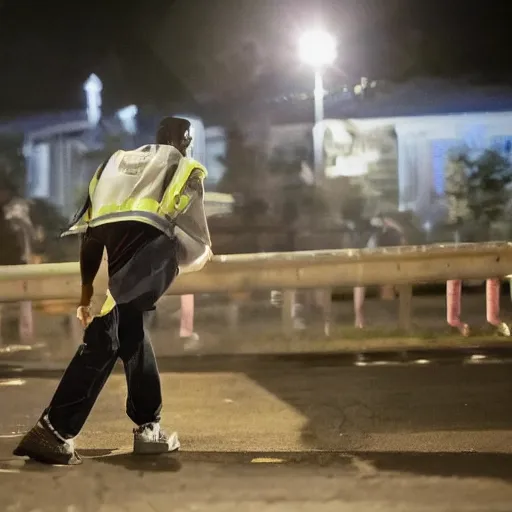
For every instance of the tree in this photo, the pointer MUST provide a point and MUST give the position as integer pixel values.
(292, 192)
(477, 189)
(50, 223)
(34, 215)
(456, 194)
(245, 168)
(12, 163)
(353, 200)
(489, 177)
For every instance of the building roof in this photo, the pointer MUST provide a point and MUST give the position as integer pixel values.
(284, 104)
(40, 121)
(423, 97)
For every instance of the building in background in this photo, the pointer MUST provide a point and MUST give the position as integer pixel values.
(399, 137)
(62, 150)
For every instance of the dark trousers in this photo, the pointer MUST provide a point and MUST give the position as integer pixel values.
(121, 333)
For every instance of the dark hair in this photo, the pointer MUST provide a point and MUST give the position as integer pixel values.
(172, 131)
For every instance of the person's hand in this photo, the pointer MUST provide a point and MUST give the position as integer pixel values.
(83, 313)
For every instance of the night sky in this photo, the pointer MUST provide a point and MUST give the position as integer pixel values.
(197, 50)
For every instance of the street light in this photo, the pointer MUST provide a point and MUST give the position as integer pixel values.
(318, 49)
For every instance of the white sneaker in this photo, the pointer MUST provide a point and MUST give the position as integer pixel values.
(503, 329)
(150, 439)
(192, 342)
(42, 443)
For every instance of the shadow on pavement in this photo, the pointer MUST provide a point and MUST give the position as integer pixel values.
(158, 463)
(462, 465)
(348, 403)
(441, 464)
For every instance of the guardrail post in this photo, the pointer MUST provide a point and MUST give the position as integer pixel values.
(453, 302)
(327, 310)
(26, 322)
(233, 315)
(405, 306)
(454, 306)
(288, 311)
(492, 301)
(359, 294)
(187, 315)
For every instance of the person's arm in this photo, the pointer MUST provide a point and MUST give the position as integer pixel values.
(91, 253)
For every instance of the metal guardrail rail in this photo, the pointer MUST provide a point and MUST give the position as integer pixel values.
(289, 271)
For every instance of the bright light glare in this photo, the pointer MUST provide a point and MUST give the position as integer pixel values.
(317, 48)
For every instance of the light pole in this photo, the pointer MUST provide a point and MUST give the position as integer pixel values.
(318, 49)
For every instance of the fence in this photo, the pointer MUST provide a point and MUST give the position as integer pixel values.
(399, 266)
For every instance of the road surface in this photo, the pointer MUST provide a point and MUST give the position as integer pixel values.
(315, 433)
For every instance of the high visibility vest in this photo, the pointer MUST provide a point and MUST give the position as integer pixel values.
(108, 305)
(132, 186)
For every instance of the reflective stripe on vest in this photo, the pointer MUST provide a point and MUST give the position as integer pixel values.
(108, 305)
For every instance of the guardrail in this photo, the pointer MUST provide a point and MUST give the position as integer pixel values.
(402, 266)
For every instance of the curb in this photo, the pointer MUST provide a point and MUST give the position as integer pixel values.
(202, 362)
